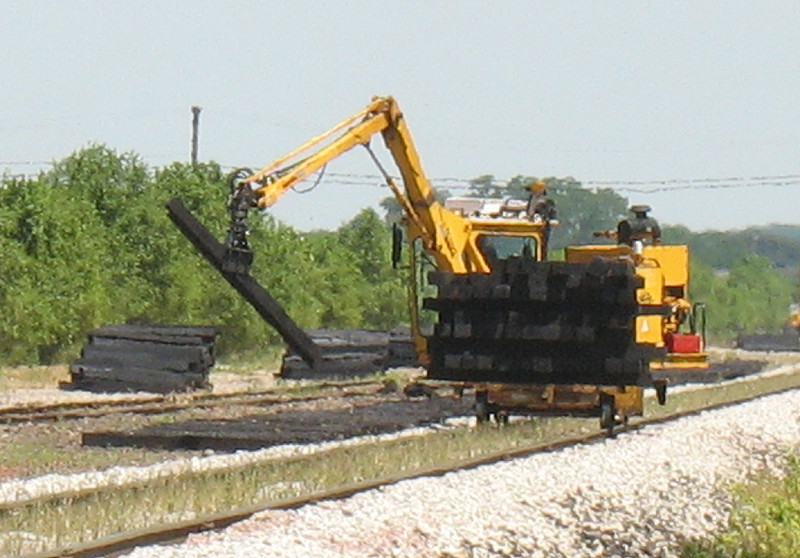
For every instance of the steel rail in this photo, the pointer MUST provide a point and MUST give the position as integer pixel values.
(121, 542)
(166, 404)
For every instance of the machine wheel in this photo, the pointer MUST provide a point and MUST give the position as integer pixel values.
(501, 417)
(607, 420)
(481, 406)
(481, 412)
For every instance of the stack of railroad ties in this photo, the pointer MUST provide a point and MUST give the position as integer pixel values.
(152, 358)
(352, 353)
(526, 320)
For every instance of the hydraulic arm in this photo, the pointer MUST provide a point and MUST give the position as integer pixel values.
(449, 237)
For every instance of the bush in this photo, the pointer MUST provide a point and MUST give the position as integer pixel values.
(765, 521)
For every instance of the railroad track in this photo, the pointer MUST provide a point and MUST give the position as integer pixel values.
(157, 404)
(172, 403)
(746, 390)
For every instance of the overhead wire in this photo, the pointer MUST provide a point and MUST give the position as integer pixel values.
(684, 180)
(654, 186)
(28, 163)
(675, 187)
(651, 186)
(630, 186)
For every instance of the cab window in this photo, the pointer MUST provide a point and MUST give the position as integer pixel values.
(498, 247)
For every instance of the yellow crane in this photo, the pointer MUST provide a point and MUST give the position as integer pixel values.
(529, 335)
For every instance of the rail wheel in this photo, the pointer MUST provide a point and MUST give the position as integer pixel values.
(481, 407)
(501, 417)
(481, 412)
(607, 419)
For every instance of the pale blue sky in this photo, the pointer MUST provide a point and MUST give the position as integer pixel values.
(625, 91)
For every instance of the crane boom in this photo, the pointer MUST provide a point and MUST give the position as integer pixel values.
(448, 236)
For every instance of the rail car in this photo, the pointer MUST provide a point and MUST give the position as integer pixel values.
(579, 336)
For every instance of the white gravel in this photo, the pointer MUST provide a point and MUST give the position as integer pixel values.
(640, 494)
(55, 484)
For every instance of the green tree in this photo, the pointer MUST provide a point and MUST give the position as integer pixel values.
(367, 240)
(751, 297)
(55, 270)
(90, 243)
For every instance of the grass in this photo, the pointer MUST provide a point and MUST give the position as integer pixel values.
(27, 377)
(30, 458)
(764, 523)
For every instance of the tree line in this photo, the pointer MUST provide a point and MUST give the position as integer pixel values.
(89, 243)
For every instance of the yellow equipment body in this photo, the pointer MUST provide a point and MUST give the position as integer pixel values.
(665, 271)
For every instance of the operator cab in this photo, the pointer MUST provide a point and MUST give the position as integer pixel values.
(506, 228)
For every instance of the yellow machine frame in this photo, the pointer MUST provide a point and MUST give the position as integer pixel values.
(451, 238)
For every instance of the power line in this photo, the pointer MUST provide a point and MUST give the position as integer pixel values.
(711, 186)
(628, 186)
(692, 180)
(648, 187)
(28, 163)
(673, 184)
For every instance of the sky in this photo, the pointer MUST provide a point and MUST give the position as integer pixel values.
(690, 107)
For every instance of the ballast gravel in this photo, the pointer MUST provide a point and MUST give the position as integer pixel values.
(53, 485)
(640, 494)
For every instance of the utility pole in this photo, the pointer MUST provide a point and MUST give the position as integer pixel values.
(195, 128)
